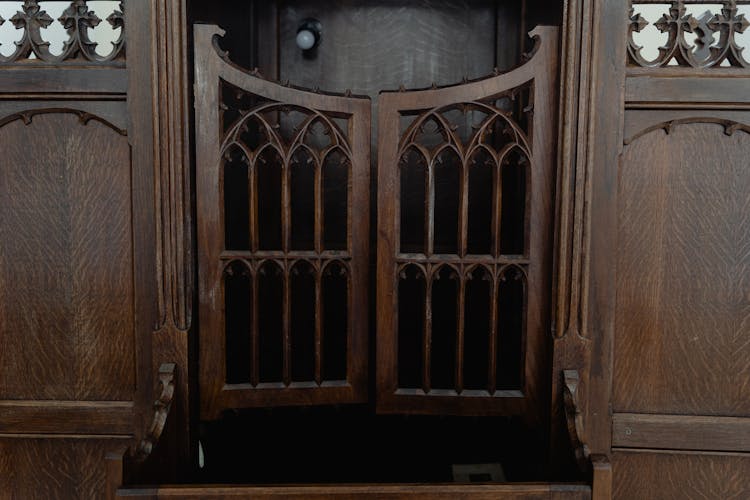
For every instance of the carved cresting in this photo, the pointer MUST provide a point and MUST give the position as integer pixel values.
(678, 24)
(77, 20)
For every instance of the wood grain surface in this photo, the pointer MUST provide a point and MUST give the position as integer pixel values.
(666, 476)
(682, 342)
(56, 468)
(66, 285)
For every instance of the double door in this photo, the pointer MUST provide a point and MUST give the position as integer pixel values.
(462, 240)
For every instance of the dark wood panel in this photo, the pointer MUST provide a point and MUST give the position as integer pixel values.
(66, 284)
(56, 468)
(649, 87)
(66, 417)
(679, 432)
(379, 492)
(682, 344)
(381, 45)
(102, 81)
(653, 476)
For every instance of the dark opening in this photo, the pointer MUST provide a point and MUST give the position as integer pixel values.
(477, 329)
(303, 322)
(447, 167)
(237, 322)
(269, 172)
(413, 185)
(303, 201)
(513, 223)
(411, 304)
(481, 191)
(511, 309)
(335, 321)
(236, 202)
(335, 201)
(270, 311)
(444, 325)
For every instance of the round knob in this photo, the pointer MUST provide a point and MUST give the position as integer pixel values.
(308, 34)
(306, 39)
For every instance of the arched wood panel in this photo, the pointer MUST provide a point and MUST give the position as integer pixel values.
(66, 269)
(682, 341)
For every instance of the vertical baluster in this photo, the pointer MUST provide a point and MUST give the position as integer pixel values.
(286, 334)
(427, 334)
(497, 210)
(253, 204)
(318, 323)
(460, 313)
(430, 212)
(254, 335)
(492, 375)
(463, 203)
(318, 231)
(286, 205)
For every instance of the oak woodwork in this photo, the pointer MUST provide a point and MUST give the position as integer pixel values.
(681, 432)
(675, 475)
(380, 492)
(601, 488)
(67, 275)
(681, 339)
(54, 466)
(574, 418)
(162, 406)
(645, 301)
(435, 254)
(267, 252)
(676, 24)
(77, 20)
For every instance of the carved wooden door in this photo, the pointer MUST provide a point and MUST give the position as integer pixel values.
(465, 186)
(283, 221)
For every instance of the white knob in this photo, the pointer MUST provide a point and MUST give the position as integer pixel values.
(305, 39)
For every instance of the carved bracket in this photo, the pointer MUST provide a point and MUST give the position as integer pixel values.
(574, 418)
(167, 375)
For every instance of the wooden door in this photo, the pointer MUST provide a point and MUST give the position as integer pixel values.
(465, 187)
(283, 221)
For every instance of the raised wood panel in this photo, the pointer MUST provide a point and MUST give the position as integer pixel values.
(657, 476)
(66, 269)
(728, 88)
(681, 432)
(682, 341)
(66, 417)
(58, 468)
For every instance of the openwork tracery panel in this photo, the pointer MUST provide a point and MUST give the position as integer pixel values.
(282, 217)
(689, 33)
(33, 33)
(465, 186)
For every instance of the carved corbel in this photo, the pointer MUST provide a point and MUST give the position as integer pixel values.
(162, 406)
(574, 418)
